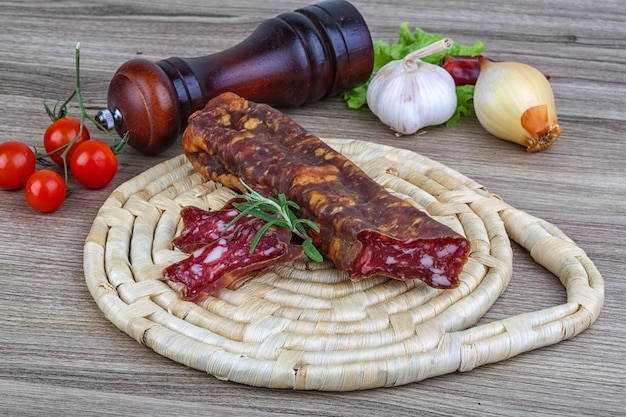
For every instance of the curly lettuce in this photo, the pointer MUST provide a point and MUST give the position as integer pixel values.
(408, 42)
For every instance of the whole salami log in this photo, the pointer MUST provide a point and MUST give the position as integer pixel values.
(364, 229)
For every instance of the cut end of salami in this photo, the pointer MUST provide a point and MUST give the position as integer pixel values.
(437, 262)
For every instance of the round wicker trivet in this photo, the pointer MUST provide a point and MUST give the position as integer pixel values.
(304, 325)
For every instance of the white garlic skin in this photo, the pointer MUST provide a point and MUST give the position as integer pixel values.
(408, 96)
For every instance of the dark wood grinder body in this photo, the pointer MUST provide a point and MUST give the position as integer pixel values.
(298, 57)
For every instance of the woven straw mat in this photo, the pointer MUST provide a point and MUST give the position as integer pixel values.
(304, 325)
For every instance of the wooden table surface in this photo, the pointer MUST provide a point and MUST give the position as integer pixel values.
(60, 356)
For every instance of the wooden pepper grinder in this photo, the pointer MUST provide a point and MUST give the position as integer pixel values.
(298, 57)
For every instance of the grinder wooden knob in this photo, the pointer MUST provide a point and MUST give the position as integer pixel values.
(298, 57)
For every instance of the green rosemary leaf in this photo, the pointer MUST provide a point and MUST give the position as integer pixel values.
(282, 199)
(311, 251)
(291, 204)
(262, 215)
(247, 206)
(311, 224)
(233, 221)
(259, 235)
(299, 226)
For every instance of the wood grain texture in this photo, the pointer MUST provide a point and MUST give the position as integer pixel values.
(60, 356)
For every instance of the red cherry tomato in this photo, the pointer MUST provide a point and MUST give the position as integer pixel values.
(60, 133)
(93, 164)
(45, 190)
(17, 163)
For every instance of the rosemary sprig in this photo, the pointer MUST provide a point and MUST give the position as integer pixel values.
(276, 212)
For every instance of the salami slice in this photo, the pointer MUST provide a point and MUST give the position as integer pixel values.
(221, 257)
(364, 229)
(201, 227)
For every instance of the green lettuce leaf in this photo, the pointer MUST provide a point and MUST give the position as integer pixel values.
(408, 42)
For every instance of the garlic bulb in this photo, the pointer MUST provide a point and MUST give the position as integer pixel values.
(514, 102)
(410, 94)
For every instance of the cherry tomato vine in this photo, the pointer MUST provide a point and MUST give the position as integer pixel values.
(68, 145)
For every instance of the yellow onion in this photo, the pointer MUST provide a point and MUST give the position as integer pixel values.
(515, 102)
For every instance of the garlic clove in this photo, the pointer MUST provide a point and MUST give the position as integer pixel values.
(515, 102)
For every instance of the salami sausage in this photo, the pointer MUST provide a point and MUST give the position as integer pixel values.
(221, 256)
(202, 227)
(364, 229)
(464, 69)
